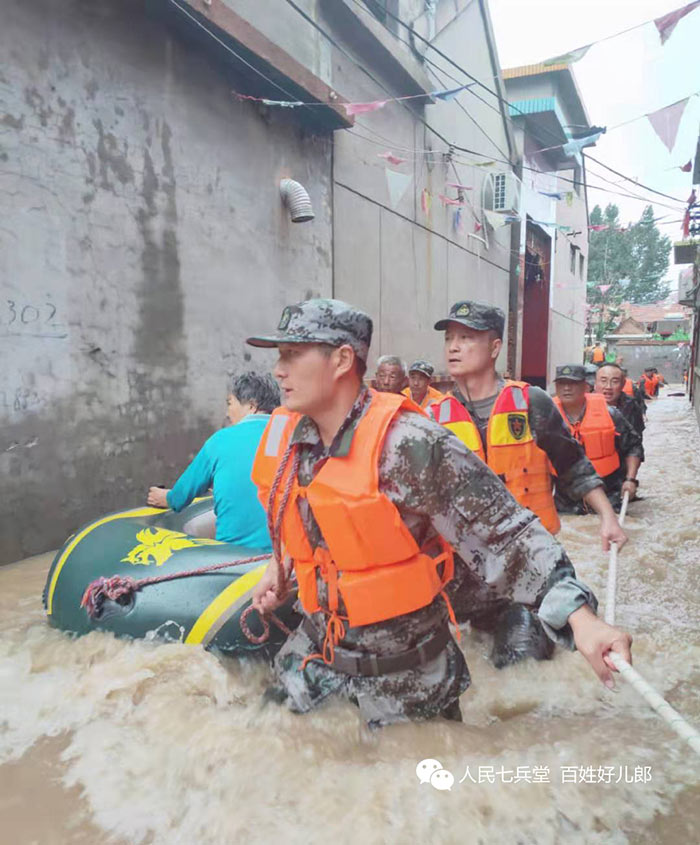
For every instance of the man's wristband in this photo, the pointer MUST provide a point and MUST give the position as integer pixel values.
(633, 480)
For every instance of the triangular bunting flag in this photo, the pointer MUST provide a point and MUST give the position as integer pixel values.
(665, 121)
(686, 168)
(604, 288)
(397, 184)
(391, 158)
(575, 145)
(667, 23)
(451, 93)
(568, 58)
(363, 108)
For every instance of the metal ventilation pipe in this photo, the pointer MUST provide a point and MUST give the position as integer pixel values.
(296, 198)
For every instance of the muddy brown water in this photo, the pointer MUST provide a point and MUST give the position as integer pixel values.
(106, 740)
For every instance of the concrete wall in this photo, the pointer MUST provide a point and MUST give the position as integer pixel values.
(568, 293)
(142, 239)
(669, 358)
(401, 263)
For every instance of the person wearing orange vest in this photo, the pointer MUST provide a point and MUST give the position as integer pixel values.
(598, 355)
(419, 389)
(649, 383)
(610, 443)
(514, 426)
(376, 509)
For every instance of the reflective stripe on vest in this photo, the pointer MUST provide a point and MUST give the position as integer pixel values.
(512, 452)
(596, 432)
(372, 562)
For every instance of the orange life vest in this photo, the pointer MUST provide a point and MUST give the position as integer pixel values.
(511, 448)
(598, 355)
(371, 559)
(650, 385)
(431, 396)
(596, 433)
(628, 387)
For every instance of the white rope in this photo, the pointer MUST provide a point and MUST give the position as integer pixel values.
(672, 717)
(657, 702)
(612, 568)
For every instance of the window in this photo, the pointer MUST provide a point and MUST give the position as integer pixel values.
(581, 266)
(572, 259)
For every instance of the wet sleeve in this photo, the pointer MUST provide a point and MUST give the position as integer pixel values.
(431, 474)
(194, 481)
(629, 440)
(575, 473)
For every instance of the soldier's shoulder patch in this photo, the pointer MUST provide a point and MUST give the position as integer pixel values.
(517, 425)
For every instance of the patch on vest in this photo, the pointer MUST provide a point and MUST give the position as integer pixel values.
(517, 425)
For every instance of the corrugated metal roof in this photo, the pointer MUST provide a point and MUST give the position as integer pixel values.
(531, 70)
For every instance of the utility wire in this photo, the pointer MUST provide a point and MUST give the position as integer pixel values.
(497, 95)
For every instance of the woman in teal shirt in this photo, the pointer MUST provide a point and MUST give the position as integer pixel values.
(224, 463)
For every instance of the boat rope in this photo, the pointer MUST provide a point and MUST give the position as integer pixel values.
(120, 586)
(656, 701)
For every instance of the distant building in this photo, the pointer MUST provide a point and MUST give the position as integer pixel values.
(552, 239)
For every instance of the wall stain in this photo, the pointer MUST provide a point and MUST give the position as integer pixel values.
(111, 158)
(159, 335)
(12, 121)
(34, 99)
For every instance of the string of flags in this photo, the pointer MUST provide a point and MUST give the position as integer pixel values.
(664, 25)
(352, 109)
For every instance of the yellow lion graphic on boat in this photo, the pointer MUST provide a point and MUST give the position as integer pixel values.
(156, 545)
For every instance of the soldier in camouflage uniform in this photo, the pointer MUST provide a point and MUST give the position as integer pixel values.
(408, 667)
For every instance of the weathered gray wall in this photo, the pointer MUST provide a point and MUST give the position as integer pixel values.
(669, 358)
(141, 240)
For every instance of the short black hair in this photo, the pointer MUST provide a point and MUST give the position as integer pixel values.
(259, 390)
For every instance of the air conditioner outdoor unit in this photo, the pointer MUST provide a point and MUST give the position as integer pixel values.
(502, 192)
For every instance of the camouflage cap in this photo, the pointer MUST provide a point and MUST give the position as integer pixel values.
(421, 366)
(475, 315)
(571, 372)
(321, 321)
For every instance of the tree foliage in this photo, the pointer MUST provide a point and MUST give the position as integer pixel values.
(639, 253)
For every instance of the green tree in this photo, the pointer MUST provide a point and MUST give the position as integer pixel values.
(608, 253)
(650, 258)
(638, 252)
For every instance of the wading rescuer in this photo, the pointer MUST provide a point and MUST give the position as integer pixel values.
(372, 497)
(609, 382)
(514, 426)
(419, 389)
(649, 383)
(611, 444)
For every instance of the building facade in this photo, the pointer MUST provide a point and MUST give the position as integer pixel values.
(144, 238)
(552, 236)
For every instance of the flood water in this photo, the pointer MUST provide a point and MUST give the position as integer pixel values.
(106, 740)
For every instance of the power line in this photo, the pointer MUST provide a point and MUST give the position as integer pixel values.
(502, 99)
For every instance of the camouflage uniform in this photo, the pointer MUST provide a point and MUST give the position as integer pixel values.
(503, 555)
(628, 443)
